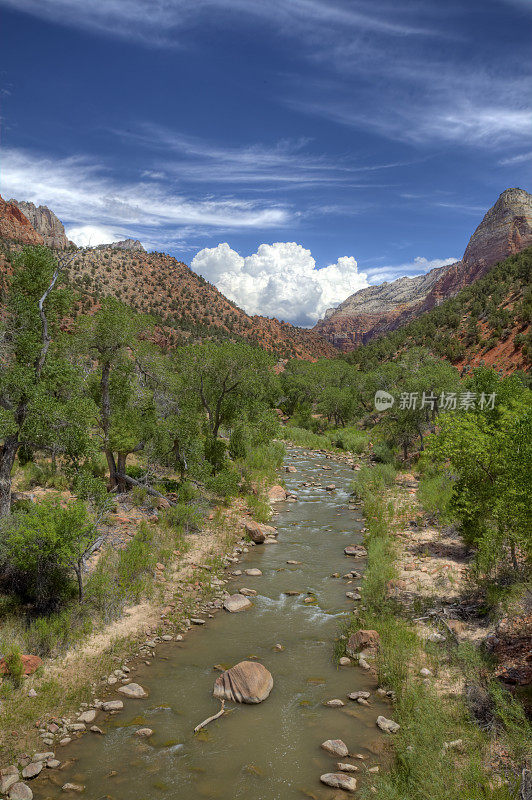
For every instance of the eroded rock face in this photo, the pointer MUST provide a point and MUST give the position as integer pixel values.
(506, 229)
(246, 682)
(15, 226)
(132, 245)
(45, 223)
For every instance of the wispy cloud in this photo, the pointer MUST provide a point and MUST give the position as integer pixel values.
(520, 158)
(158, 23)
(81, 192)
(289, 163)
(420, 102)
(419, 266)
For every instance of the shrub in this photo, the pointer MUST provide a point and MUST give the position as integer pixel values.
(41, 549)
(14, 665)
(225, 484)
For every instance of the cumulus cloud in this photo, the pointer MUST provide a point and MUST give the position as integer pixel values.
(92, 235)
(280, 280)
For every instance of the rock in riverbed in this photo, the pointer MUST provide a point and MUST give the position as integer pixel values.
(387, 725)
(276, 494)
(335, 747)
(339, 781)
(112, 705)
(362, 640)
(346, 767)
(355, 550)
(20, 791)
(336, 703)
(236, 602)
(253, 572)
(133, 690)
(246, 682)
(32, 770)
(144, 733)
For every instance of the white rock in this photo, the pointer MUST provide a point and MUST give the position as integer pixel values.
(387, 725)
(112, 705)
(133, 690)
(339, 781)
(336, 747)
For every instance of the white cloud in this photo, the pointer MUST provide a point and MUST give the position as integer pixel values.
(83, 193)
(92, 235)
(280, 280)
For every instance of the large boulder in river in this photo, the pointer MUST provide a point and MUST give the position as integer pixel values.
(276, 494)
(362, 640)
(254, 531)
(236, 602)
(258, 532)
(133, 690)
(246, 682)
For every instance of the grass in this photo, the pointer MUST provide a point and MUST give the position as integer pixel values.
(423, 768)
(345, 439)
(371, 480)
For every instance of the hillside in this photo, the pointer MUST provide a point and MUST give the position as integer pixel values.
(505, 229)
(486, 323)
(187, 308)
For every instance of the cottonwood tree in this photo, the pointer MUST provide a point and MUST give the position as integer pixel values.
(230, 381)
(41, 398)
(111, 339)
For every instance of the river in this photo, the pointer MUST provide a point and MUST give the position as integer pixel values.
(269, 751)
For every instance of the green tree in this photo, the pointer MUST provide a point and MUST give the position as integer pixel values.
(490, 453)
(119, 384)
(229, 381)
(40, 549)
(41, 400)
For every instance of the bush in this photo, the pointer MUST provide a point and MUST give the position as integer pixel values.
(41, 549)
(14, 665)
(225, 484)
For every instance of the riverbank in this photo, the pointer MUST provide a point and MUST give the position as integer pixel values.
(33, 716)
(461, 733)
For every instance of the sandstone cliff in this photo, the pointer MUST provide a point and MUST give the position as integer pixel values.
(132, 245)
(45, 223)
(506, 229)
(15, 226)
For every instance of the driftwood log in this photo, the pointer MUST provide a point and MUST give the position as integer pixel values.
(210, 719)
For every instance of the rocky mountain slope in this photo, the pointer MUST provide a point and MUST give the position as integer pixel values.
(485, 323)
(506, 229)
(186, 307)
(45, 223)
(15, 227)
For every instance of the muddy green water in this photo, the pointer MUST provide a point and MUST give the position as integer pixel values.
(269, 751)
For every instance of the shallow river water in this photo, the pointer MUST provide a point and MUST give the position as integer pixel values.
(269, 751)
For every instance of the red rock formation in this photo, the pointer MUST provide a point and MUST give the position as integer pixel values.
(44, 222)
(15, 227)
(505, 230)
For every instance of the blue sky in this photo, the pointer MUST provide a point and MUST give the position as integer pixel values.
(324, 144)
